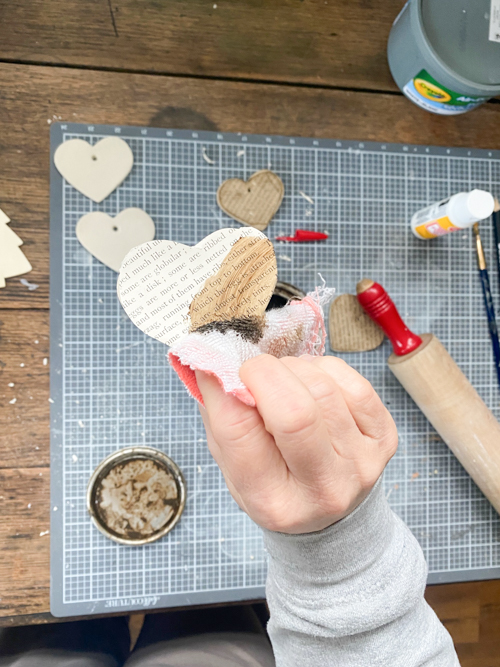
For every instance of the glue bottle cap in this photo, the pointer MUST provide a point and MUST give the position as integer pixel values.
(470, 207)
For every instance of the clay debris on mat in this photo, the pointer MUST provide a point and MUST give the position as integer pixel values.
(253, 202)
(133, 499)
(350, 328)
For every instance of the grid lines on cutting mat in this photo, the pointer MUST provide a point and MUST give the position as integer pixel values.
(118, 389)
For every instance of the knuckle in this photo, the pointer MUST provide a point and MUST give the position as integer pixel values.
(362, 392)
(333, 364)
(298, 419)
(233, 427)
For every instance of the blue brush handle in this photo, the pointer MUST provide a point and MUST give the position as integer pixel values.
(490, 312)
(496, 233)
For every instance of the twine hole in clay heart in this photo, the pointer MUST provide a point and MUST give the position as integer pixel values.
(115, 228)
(94, 157)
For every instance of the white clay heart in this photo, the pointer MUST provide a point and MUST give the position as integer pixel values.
(96, 170)
(159, 281)
(110, 239)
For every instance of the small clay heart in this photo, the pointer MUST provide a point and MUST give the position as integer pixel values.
(351, 330)
(110, 239)
(252, 202)
(96, 170)
(169, 289)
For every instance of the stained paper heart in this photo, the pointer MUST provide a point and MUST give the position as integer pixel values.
(110, 239)
(252, 202)
(96, 170)
(169, 289)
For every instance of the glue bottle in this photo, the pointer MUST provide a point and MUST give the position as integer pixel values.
(457, 212)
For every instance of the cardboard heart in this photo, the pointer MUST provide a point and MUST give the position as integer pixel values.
(110, 239)
(350, 328)
(169, 289)
(253, 202)
(96, 170)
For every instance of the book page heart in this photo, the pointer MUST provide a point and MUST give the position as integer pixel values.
(96, 170)
(253, 202)
(110, 239)
(169, 289)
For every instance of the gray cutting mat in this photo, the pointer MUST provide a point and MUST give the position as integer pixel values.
(112, 387)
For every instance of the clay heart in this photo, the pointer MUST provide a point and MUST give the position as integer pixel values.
(96, 170)
(169, 289)
(351, 330)
(252, 202)
(110, 239)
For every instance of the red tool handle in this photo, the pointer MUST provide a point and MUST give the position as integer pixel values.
(303, 235)
(380, 307)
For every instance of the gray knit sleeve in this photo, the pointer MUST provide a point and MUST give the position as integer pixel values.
(352, 595)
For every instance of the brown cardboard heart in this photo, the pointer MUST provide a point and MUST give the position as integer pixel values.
(169, 289)
(350, 328)
(253, 202)
(96, 170)
(110, 239)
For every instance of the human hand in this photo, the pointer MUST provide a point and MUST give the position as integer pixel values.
(310, 451)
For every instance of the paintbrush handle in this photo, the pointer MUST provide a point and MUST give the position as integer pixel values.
(490, 313)
(496, 233)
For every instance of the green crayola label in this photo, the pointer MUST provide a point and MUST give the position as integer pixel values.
(429, 94)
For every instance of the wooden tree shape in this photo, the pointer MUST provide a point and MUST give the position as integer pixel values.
(13, 261)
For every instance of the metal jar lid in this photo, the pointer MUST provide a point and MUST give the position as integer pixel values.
(119, 459)
(283, 293)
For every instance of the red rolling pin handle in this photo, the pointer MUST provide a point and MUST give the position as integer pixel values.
(380, 307)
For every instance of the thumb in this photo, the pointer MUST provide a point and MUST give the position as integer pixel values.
(210, 389)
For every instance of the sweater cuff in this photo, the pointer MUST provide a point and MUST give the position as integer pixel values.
(339, 551)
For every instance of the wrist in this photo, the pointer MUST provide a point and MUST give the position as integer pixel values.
(362, 534)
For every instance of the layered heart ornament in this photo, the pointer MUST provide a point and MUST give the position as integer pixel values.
(224, 282)
(96, 170)
(253, 202)
(111, 239)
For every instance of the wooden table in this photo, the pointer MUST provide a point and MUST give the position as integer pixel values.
(303, 67)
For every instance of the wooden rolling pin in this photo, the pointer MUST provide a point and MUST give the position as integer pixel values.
(441, 391)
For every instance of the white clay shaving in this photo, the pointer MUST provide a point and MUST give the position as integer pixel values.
(306, 197)
(205, 156)
(30, 286)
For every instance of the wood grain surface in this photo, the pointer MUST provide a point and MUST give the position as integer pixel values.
(471, 613)
(24, 431)
(107, 62)
(318, 42)
(24, 542)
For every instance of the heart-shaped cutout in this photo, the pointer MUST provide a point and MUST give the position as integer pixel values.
(351, 330)
(169, 289)
(110, 239)
(253, 202)
(96, 170)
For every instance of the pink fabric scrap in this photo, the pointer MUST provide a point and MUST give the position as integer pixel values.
(297, 328)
